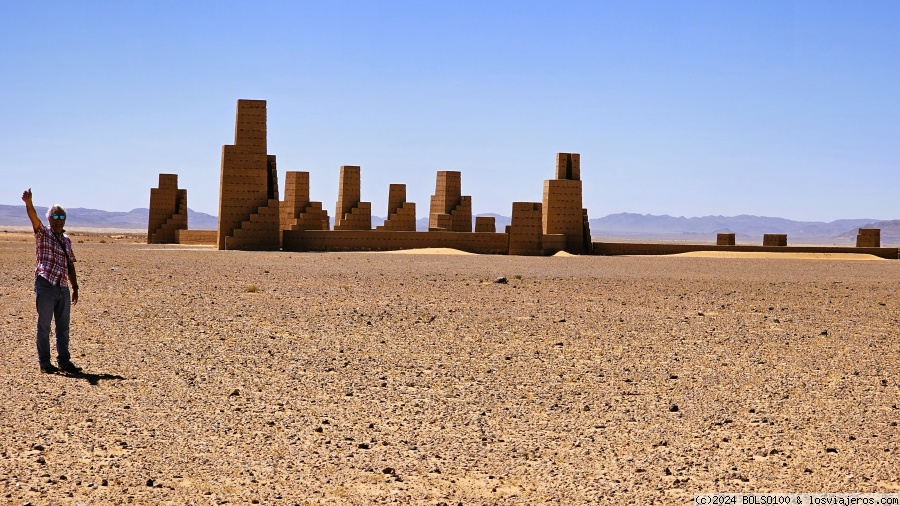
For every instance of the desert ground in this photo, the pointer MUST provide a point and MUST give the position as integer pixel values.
(228, 377)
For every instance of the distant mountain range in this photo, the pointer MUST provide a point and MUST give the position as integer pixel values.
(95, 218)
(621, 225)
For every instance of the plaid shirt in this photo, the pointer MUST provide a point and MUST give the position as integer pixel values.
(51, 260)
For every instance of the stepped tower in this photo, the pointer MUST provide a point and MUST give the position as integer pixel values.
(450, 210)
(168, 211)
(248, 193)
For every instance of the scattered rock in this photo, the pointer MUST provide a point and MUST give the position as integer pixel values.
(501, 280)
(673, 408)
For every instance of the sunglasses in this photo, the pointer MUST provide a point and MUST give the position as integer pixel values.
(58, 216)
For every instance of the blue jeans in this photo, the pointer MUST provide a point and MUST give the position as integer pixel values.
(52, 301)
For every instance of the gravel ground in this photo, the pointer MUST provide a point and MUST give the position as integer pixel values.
(223, 377)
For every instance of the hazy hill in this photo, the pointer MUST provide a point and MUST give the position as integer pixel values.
(95, 218)
(624, 224)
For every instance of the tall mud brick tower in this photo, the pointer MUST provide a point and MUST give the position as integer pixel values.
(401, 214)
(351, 214)
(168, 211)
(562, 211)
(450, 210)
(297, 212)
(248, 193)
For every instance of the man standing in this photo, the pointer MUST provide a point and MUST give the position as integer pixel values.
(54, 272)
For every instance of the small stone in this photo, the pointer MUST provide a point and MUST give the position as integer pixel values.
(363, 446)
(37, 447)
(388, 470)
(40, 460)
(824, 332)
(235, 393)
(104, 483)
(318, 429)
(501, 280)
(149, 482)
(831, 450)
(673, 408)
(667, 472)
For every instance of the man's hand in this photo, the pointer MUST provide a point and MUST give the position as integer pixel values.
(74, 295)
(29, 207)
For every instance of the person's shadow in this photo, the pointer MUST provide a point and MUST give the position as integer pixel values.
(91, 378)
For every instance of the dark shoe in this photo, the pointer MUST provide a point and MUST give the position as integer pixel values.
(69, 368)
(49, 369)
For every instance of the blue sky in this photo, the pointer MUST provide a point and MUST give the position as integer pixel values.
(695, 108)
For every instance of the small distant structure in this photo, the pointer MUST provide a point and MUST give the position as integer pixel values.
(868, 238)
(486, 224)
(774, 239)
(168, 211)
(725, 239)
(249, 217)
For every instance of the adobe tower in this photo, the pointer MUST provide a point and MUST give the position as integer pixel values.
(450, 210)
(562, 211)
(297, 212)
(351, 214)
(168, 211)
(248, 192)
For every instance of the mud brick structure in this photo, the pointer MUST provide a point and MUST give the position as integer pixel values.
(248, 193)
(562, 211)
(725, 239)
(401, 214)
(450, 210)
(196, 237)
(774, 239)
(868, 238)
(297, 212)
(168, 211)
(351, 214)
(485, 224)
(525, 229)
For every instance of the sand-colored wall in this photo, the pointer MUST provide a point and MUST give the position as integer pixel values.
(196, 237)
(387, 240)
(609, 248)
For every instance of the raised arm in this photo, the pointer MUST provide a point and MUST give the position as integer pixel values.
(32, 214)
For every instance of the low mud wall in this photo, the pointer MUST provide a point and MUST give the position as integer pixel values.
(627, 248)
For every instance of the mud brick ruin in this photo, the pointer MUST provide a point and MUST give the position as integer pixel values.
(774, 239)
(868, 238)
(297, 211)
(351, 214)
(168, 211)
(249, 217)
(450, 209)
(401, 214)
(725, 239)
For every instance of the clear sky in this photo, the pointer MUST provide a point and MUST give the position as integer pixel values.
(773, 108)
